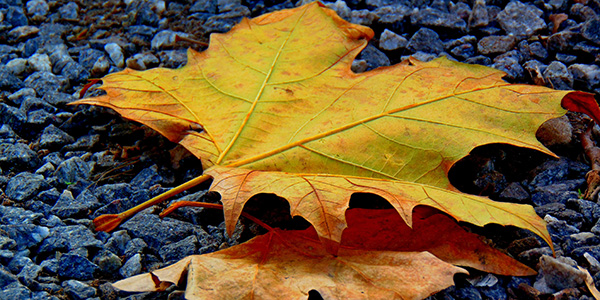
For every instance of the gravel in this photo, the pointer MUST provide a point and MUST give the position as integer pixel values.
(60, 165)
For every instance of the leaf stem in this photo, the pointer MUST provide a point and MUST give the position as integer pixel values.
(109, 222)
(179, 204)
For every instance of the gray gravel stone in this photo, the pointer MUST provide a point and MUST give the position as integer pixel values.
(64, 238)
(76, 267)
(18, 157)
(521, 20)
(69, 207)
(157, 232)
(133, 266)
(71, 170)
(584, 75)
(25, 185)
(180, 249)
(17, 292)
(135, 246)
(8, 81)
(495, 44)
(224, 22)
(437, 18)
(363, 17)
(374, 57)
(78, 290)
(10, 215)
(558, 76)
(562, 41)
(108, 262)
(15, 16)
(69, 11)
(45, 82)
(591, 31)
(40, 62)
(426, 40)
(29, 273)
(116, 54)
(479, 15)
(26, 235)
(23, 32)
(6, 277)
(391, 41)
(37, 7)
(53, 138)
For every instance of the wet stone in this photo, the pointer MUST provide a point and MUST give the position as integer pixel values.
(426, 40)
(25, 185)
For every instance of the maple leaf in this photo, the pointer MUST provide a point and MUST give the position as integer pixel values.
(380, 258)
(273, 107)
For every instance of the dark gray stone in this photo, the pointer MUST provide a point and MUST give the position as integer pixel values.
(562, 41)
(521, 20)
(75, 72)
(18, 157)
(147, 178)
(110, 192)
(108, 262)
(585, 76)
(37, 8)
(510, 63)
(479, 60)
(7, 243)
(64, 238)
(590, 210)
(8, 81)
(6, 277)
(467, 293)
(224, 22)
(58, 98)
(134, 246)
(437, 18)
(69, 11)
(157, 232)
(391, 41)
(45, 82)
(559, 227)
(558, 76)
(206, 6)
(13, 117)
(426, 40)
(53, 138)
(76, 267)
(463, 51)
(49, 196)
(39, 118)
(393, 16)
(72, 170)
(17, 292)
(479, 15)
(133, 266)
(550, 172)
(78, 290)
(374, 57)
(25, 185)
(118, 242)
(26, 235)
(495, 44)
(179, 250)
(172, 58)
(10, 215)
(18, 263)
(15, 16)
(591, 31)
(29, 273)
(362, 17)
(50, 266)
(514, 192)
(69, 207)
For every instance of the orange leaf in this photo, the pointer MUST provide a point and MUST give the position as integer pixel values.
(289, 264)
(432, 232)
(275, 97)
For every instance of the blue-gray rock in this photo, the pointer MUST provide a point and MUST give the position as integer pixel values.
(15, 17)
(14, 117)
(6, 277)
(559, 210)
(180, 249)
(18, 262)
(147, 178)
(514, 192)
(558, 76)
(582, 12)
(133, 266)
(26, 235)
(25, 185)
(18, 157)
(142, 61)
(107, 261)
(75, 72)
(33, 103)
(550, 172)
(585, 76)
(509, 62)
(166, 39)
(7, 243)
(10, 215)
(69, 11)
(53, 138)
(157, 232)
(521, 20)
(466, 293)
(391, 41)
(29, 273)
(8, 81)
(72, 170)
(590, 210)
(374, 57)
(76, 267)
(591, 31)
(64, 238)
(463, 51)
(38, 8)
(39, 118)
(393, 16)
(496, 44)
(69, 207)
(562, 41)
(110, 192)
(42, 294)
(45, 82)
(78, 290)
(363, 17)
(566, 59)
(17, 66)
(115, 52)
(134, 246)
(204, 6)
(437, 18)
(49, 196)
(88, 57)
(50, 265)
(461, 10)
(23, 32)
(118, 242)
(479, 60)
(225, 21)
(425, 40)
(538, 51)
(58, 98)
(40, 62)
(559, 227)
(46, 170)
(479, 16)
(18, 292)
